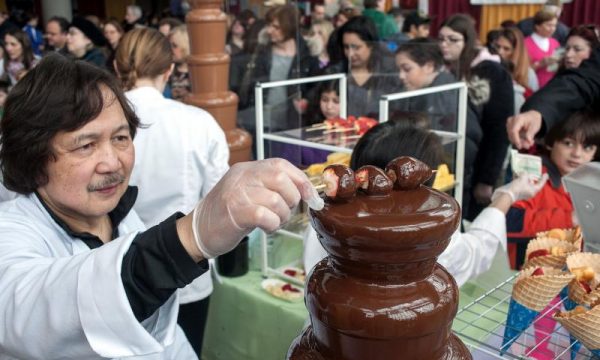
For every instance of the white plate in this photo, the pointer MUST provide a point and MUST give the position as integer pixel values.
(274, 287)
(298, 271)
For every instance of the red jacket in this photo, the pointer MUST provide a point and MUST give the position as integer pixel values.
(550, 208)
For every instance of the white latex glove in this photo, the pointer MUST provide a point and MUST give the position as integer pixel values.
(522, 188)
(250, 195)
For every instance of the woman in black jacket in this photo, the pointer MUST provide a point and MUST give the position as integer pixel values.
(492, 96)
(86, 42)
(369, 65)
(420, 65)
(285, 56)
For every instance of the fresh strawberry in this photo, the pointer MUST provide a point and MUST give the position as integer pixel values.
(373, 180)
(339, 181)
(586, 287)
(537, 272)
(290, 288)
(536, 253)
(362, 178)
(290, 272)
(407, 173)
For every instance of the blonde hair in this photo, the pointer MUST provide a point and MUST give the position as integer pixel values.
(179, 35)
(142, 53)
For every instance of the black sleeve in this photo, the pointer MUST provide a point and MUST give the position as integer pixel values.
(499, 108)
(515, 218)
(155, 266)
(568, 92)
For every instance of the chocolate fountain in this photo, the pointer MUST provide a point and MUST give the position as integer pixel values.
(380, 293)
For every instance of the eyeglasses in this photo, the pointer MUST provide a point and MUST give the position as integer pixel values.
(449, 39)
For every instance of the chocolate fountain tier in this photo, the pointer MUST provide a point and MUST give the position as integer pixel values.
(304, 347)
(401, 227)
(356, 318)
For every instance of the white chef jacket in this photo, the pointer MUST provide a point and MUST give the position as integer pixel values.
(179, 156)
(468, 254)
(6, 194)
(71, 300)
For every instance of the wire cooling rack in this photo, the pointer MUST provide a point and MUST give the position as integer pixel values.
(481, 324)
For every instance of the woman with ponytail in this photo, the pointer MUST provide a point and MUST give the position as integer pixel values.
(181, 153)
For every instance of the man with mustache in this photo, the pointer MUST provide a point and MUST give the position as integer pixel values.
(80, 277)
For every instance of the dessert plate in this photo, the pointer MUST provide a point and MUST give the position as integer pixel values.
(282, 290)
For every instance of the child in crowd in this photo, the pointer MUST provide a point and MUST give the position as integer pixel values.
(468, 254)
(567, 145)
(324, 104)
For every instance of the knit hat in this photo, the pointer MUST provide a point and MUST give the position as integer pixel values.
(90, 30)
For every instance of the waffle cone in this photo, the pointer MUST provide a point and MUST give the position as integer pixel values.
(536, 292)
(555, 261)
(576, 292)
(585, 327)
(572, 235)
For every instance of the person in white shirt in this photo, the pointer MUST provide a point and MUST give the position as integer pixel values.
(468, 254)
(80, 277)
(181, 153)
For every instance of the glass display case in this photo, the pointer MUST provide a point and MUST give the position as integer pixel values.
(452, 135)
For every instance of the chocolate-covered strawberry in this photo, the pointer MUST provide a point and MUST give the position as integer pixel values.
(339, 182)
(407, 173)
(373, 180)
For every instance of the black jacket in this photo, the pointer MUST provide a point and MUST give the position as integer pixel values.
(95, 56)
(248, 69)
(491, 94)
(363, 100)
(568, 92)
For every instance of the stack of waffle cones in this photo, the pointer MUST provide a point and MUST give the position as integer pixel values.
(556, 260)
(584, 326)
(536, 291)
(576, 292)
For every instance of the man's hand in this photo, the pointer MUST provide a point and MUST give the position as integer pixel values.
(522, 128)
(250, 195)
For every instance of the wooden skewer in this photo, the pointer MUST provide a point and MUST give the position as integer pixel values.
(350, 137)
(320, 187)
(317, 128)
(338, 130)
(316, 138)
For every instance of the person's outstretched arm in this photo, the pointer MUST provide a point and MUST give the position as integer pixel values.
(567, 93)
(471, 253)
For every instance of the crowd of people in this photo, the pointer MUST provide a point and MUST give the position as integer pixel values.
(79, 206)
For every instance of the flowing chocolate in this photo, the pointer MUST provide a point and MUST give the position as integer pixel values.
(408, 173)
(380, 294)
(340, 182)
(373, 180)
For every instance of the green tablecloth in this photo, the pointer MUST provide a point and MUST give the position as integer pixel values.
(247, 323)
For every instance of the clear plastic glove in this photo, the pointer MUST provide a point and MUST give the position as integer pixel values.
(522, 188)
(250, 195)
